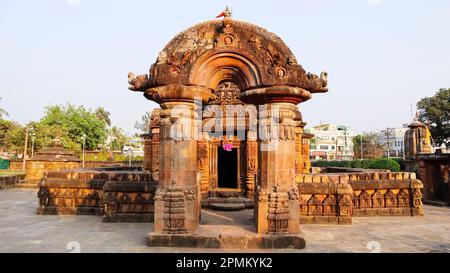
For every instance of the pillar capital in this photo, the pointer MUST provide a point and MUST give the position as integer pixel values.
(177, 93)
(275, 94)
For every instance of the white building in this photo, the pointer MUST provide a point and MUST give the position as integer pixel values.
(332, 142)
(393, 141)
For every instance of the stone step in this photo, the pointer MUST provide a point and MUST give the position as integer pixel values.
(26, 185)
(231, 203)
(227, 200)
(227, 206)
(225, 193)
(436, 203)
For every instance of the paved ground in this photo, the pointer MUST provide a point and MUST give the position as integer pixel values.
(22, 231)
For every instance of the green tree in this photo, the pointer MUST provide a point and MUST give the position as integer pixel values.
(14, 138)
(313, 143)
(44, 134)
(435, 111)
(6, 127)
(144, 123)
(74, 122)
(3, 112)
(103, 115)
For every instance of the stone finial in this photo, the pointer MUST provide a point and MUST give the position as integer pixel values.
(227, 12)
(56, 142)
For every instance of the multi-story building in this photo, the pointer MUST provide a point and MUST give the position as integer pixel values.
(332, 142)
(393, 141)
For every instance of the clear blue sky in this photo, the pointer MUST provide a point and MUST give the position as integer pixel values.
(381, 55)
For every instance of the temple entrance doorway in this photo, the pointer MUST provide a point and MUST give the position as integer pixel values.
(227, 165)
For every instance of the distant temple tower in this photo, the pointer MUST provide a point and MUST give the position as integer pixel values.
(417, 141)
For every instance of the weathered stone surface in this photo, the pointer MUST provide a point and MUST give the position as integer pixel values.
(74, 192)
(434, 171)
(194, 55)
(52, 158)
(129, 201)
(227, 206)
(10, 181)
(358, 194)
(226, 241)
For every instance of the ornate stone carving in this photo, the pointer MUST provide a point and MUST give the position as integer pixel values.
(391, 198)
(378, 200)
(138, 83)
(314, 206)
(270, 60)
(226, 92)
(345, 205)
(329, 205)
(174, 211)
(252, 165)
(278, 214)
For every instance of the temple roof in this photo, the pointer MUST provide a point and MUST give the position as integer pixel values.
(210, 52)
(416, 124)
(206, 31)
(55, 152)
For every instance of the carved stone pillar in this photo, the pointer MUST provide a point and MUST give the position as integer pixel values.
(252, 163)
(306, 139)
(155, 119)
(299, 129)
(203, 165)
(276, 200)
(147, 162)
(177, 199)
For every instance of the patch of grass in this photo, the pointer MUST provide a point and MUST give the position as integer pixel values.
(8, 172)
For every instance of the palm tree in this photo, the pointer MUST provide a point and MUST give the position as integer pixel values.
(3, 112)
(118, 138)
(103, 115)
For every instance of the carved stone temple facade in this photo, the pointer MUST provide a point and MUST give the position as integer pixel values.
(229, 124)
(228, 132)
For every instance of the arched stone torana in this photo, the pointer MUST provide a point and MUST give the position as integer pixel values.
(212, 52)
(231, 66)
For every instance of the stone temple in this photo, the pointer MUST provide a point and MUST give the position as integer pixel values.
(228, 135)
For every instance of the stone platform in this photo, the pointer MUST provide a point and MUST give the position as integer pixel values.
(227, 204)
(227, 230)
(27, 184)
(10, 181)
(224, 240)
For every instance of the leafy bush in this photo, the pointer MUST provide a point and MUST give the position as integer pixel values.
(356, 164)
(385, 163)
(320, 163)
(365, 163)
(105, 156)
(381, 163)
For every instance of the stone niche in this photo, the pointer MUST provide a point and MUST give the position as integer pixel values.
(52, 158)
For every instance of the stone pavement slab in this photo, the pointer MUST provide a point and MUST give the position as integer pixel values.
(23, 231)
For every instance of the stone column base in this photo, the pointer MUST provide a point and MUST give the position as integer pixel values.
(229, 241)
